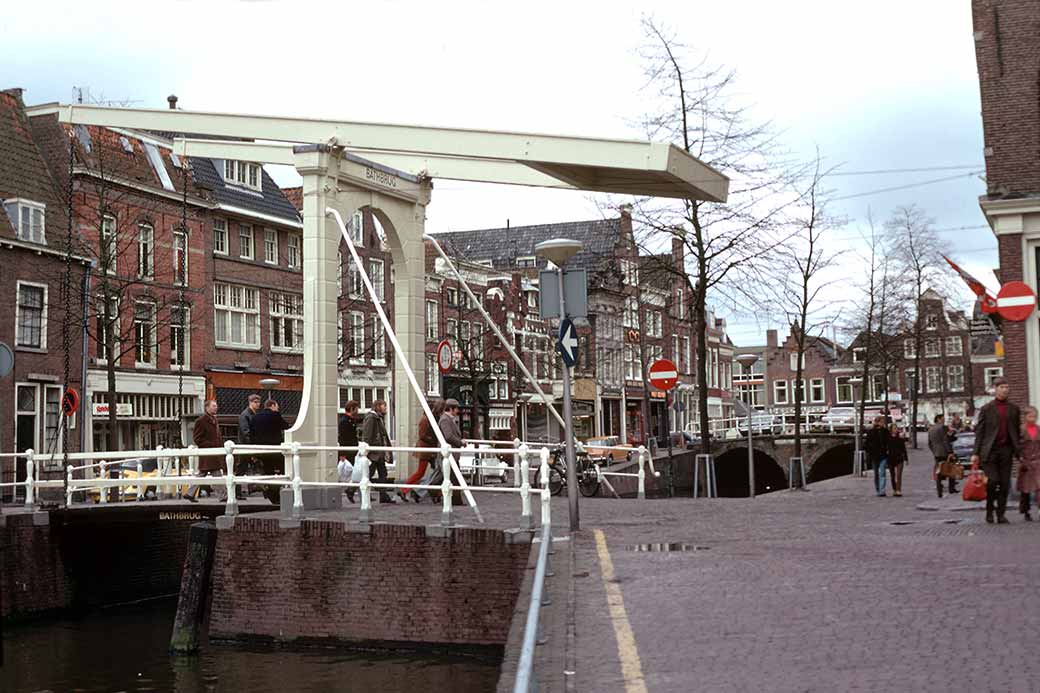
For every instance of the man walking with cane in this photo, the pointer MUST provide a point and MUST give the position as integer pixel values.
(996, 442)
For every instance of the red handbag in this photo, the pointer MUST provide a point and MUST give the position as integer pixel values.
(974, 487)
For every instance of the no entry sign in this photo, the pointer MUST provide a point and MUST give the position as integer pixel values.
(663, 374)
(1015, 301)
(444, 356)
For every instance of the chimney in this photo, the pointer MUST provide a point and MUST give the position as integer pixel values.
(625, 227)
(677, 253)
(172, 100)
(771, 339)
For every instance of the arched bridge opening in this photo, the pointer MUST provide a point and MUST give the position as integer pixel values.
(832, 463)
(731, 472)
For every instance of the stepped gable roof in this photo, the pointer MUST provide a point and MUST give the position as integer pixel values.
(502, 246)
(295, 197)
(269, 200)
(23, 170)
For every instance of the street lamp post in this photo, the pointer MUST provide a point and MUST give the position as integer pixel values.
(857, 462)
(747, 361)
(269, 384)
(559, 251)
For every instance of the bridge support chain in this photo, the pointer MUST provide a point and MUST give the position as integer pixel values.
(711, 487)
(793, 464)
(189, 623)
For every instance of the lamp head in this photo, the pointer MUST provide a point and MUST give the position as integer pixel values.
(558, 250)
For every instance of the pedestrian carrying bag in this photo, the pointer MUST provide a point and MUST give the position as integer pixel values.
(975, 487)
(951, 468)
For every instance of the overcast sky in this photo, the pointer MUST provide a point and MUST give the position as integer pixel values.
(884, 85)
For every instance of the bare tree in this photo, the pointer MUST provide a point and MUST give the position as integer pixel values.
(803, 264)
(725, 243)
(917, 253)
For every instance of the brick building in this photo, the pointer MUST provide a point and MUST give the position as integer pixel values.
(772, 382)
(1007, 55)
(32, 267)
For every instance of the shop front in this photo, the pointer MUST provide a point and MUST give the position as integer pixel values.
(231, 389)
(151, 410)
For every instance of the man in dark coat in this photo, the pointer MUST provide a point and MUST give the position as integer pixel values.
(245, 420)
(269, 429)
(373, 432)
(996, 442)
(206, 434)
(348, 435)
(876, 445)
(940, 443)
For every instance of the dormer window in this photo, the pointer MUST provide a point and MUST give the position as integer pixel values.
(27, 218)
(931, 322)
(242, 173)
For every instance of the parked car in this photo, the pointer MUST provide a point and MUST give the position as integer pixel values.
(491, 467)
(963, 446)
(838, 419)
(128, 469)
(595, 447)
(762, 423)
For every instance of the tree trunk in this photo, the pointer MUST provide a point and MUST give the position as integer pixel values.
(700, 326)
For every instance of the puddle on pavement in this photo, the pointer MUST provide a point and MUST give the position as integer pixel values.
(901, 523)
(665, 547)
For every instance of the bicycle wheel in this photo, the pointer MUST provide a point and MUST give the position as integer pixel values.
(556, 480)
(588, 479)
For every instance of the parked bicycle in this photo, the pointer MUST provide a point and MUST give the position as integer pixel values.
(588, 477)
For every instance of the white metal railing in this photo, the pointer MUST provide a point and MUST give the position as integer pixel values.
(764, 423)
(525, 681)
(170, 474)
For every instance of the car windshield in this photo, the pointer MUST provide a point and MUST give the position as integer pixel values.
(147, 465)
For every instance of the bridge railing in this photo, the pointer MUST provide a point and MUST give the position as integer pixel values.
(764, 423)
(526, 676)
(171, 474)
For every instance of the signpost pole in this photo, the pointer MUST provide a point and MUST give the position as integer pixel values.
(572, 471)
(668, 431)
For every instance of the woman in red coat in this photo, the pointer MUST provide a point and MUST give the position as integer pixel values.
(1029, 464)
(206, 434)
(427, 439)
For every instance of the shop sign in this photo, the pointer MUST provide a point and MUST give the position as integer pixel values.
(122, 409)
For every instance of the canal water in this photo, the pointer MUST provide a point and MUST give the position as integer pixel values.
(125, 649)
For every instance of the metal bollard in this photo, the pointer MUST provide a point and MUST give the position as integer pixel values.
(365, 513)
(231, 506)
(710, 488)
(297, 483)
(526, 521)
(546, 496)
(642, 473)
(29, 480)
(446, 512)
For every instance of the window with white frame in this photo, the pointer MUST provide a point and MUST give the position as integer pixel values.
(526, 261)
(28, 219)
(453, 331)
(843, 389)
(680, 306)
(955, 378)
(144, 333)
(798, 390)
(357, 286)
(108, 251)
(236, 316)
(816, 391)
(245, 241)
(286, 322)
(991, 374)
(632, 369)
(180, 257)
(271, 246)
(909, 348)
(859, 354)
(931, 321)
(477, 345)
(220, 237)
(179, 347)
(453, 296)
(357, 337)
(793, 360)
(954, 346)
(687, 365)
(243, 173)
(106, 326)
(31, 316)
(931, 348)
(933, 379)
(375, 273)
(877, 388)
(630, 272)
(656, 323)
(780, 392)
(52, 419)
(378, 342)
(145, 251)
(432, 321)
(631, 315)
(294, 252)
(532, 300)
(911, 381)
(432, 375)
(26, 395)
(357, 229)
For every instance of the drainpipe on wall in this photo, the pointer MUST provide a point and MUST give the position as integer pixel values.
(83, 359)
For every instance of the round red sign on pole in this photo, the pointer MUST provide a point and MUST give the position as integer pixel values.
(70, 402)
(663, 374)
(1015, 301)
(445, 356)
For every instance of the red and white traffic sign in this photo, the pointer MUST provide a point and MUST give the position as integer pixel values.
(663, 374)
(1015, 301)
(445, 356)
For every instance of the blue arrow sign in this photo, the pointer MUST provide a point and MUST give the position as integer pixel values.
(568, 343)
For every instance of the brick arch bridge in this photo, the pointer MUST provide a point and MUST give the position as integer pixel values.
(825, 456)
